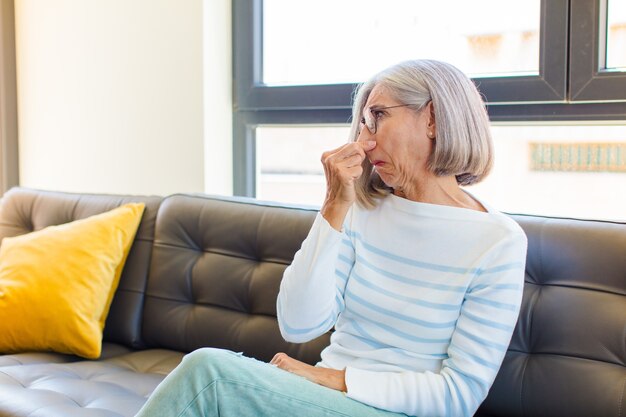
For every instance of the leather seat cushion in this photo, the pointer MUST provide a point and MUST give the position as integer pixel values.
(109, 350)
(112, 387)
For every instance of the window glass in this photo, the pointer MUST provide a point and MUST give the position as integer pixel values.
(567, 170)
(554, 170)
(326, 41)
(616, 35)
(288, 161)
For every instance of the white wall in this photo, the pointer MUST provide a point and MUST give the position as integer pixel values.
(111, 93)
(218, 96)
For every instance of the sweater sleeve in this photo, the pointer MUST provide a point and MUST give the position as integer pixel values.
(479, 342)
(311, 291)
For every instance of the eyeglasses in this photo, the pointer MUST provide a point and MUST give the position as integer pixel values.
(370, 118)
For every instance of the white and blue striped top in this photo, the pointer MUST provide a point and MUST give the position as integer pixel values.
(424, 299)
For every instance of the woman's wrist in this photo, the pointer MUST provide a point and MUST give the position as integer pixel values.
(332, 378)
(335, 213)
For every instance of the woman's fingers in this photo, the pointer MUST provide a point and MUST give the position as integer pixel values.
(344, 162)
(352, 161)
(348, 150)
(287, 363)
(368, 145)
(279, 358)
(342, 167)
(330, 378)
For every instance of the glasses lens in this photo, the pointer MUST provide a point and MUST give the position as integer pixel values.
(370, 121)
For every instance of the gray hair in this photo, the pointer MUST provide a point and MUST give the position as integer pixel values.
(463, 146)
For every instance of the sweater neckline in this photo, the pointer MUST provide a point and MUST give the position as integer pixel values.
(439, 210)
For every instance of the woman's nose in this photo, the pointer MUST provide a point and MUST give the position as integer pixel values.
(364, 135)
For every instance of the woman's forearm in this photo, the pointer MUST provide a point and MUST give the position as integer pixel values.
(308, 303)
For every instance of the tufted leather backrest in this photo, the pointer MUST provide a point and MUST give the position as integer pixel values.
(24, 210)
(567, 357)
(215, 275)
(217, 264)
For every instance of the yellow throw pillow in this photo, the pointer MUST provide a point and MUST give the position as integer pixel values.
(57, 284)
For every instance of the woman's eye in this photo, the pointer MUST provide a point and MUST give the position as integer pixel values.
(377, 114)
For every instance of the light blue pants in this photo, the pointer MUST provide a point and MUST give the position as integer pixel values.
(215, 382)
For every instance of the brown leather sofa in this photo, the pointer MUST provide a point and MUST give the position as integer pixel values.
(205, 271)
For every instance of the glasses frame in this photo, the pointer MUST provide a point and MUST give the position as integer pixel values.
(370, 122)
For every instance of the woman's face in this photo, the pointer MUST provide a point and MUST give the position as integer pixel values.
(402, 145)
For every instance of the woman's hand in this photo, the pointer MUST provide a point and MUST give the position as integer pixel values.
(342, 167)
(331, 378)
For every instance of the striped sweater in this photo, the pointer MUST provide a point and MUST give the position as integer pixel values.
(424, 299)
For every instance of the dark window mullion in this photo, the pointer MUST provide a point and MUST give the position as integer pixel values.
(589, 79)
(550, 84)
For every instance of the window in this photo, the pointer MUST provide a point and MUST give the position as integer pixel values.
(288, 161)
(558, 65)
(406, 29)
(540, 78)
(557, 169)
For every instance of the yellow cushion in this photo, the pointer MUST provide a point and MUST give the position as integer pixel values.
(57, 284)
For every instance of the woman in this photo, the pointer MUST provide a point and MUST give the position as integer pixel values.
(421, 280)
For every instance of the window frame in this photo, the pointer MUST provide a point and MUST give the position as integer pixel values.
(252, 94)
(565, 90)
(589, 79)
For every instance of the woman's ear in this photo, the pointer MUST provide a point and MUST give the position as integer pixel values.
(431, 126)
